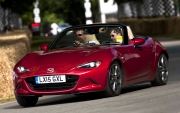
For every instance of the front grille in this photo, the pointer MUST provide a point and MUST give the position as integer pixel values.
(70, 83)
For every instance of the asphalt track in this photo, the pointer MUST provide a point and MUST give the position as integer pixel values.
(141, 98)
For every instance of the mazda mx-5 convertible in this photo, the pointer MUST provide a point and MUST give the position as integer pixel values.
(90, 58)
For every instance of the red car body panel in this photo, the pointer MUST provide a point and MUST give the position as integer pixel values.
(139, 64)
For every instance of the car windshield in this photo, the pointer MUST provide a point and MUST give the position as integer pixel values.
(88, 36)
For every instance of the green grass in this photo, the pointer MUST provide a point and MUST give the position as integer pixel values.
(7, 100)
(171, 36)
(39, 40)
(160, 35)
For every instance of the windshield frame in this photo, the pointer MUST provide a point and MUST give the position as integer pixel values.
(64, 32)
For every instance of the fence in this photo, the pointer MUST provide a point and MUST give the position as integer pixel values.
(147, 8)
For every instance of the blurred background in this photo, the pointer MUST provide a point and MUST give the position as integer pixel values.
(49, 17)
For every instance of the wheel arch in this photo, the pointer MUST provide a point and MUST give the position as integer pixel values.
(120, 63)
(157, 80)
(122, 68)
(158, 55)
(166, 54)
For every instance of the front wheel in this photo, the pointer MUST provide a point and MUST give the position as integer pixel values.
(162, 71)
(114, 80)
(27, 101)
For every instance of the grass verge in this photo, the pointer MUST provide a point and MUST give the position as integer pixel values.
(160, 35)
(4, 100)
(171, 36)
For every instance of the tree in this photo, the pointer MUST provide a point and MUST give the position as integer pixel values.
(58, 11)
(24, 8)
(18, 6)
(69, 11)
(94, 9)
(124, 1)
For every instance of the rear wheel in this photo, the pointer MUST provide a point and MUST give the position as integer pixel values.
(162, 71)
(27, 101)
(114, 81)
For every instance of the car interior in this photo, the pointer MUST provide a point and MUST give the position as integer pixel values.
(98, 36)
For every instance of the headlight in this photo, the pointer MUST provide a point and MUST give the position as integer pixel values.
(90, 65)
(22, 69)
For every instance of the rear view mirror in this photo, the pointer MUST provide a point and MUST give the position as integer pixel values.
(44, 47)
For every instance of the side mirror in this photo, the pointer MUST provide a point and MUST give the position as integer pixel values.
(44, 47)
(138, 41)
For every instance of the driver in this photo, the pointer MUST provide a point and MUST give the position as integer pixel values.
(80, 37)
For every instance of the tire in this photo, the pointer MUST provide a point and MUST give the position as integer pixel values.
(114, 80)
(161, 77)
(27, 101)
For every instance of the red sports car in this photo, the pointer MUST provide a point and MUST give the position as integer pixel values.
(90, 58)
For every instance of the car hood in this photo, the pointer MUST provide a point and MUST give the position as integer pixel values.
(64, 56)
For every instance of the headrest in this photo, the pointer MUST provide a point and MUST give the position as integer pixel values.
(92, 37)
(130, 34)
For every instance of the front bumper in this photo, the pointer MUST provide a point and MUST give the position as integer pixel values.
(89, 81)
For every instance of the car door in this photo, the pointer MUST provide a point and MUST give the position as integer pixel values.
(141, 59)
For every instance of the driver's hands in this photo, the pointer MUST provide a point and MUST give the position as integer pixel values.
(78, 42)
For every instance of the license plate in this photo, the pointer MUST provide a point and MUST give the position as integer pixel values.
(50, 79)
